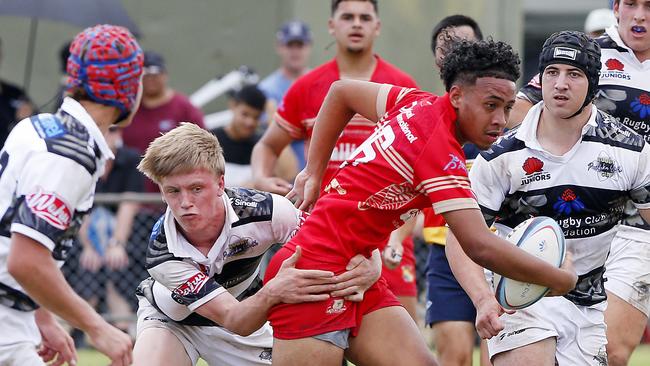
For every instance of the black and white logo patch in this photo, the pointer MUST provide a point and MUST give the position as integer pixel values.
(605, 167)
(563, 52)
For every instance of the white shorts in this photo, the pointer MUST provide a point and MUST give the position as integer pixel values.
(20, 354)
(18, 327)
(578, 330)
(628, 272)
(215, 345)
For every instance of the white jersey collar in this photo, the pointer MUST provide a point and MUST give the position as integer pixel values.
(78, 112)
(527, 130)
(180, 247)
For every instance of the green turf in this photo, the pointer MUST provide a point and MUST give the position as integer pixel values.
(640, 357)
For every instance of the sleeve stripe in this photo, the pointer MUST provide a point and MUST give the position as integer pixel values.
(403, 93)
(454, 204)
(292, 130)
(382, 99)
(430, 189)
(447, 179)
(33, 234)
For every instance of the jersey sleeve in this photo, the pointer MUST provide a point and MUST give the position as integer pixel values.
(640, 193)
(49, 188)
(489, 187)
(189, 285)
(287, 116)
(441, 175)
(389, 96)
(286, 219)
(532, 91)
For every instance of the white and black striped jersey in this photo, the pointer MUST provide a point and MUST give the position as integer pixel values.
(254, 221)
(584, 190)
(624, 93)
(48, 169)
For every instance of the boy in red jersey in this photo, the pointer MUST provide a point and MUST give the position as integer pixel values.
(413, 160)
(355, 25)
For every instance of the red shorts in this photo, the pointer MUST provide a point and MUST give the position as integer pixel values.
(295, 321)
(401, 280)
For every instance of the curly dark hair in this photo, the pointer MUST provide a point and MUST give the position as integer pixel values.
(468, 60)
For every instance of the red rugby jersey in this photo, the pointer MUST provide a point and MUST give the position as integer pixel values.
(411, 161)
(297, 112)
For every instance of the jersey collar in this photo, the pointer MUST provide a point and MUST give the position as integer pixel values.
(182, 248)
(527, 131)
(78, 112)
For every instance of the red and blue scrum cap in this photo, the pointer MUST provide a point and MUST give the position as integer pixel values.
(107, 62)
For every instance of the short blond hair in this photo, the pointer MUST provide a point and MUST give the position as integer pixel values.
(181, 150)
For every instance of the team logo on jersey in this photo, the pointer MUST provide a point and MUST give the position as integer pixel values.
(191, 286)
(334, 184)
(49, 207)
(240, 246)
(455, 163)
(605, 167)
(614, 64)
(615, 69)
(266, 354)
(392, 197)
(48, 126)
(641, 105)
(533, 167)
(568, 203)
(336, 307)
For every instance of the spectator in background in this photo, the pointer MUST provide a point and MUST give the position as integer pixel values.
(107, 267)
(14, 106)
(293, 45)
(238, 137)
(598, 20)
(162, 109)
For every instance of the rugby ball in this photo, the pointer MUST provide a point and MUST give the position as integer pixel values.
(542, 237)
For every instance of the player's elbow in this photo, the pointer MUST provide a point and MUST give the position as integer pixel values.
(239, 328)
(19, 267)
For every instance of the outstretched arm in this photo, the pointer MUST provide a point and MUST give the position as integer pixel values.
(471, 278)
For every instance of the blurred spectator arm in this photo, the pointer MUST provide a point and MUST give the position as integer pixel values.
(265, 157)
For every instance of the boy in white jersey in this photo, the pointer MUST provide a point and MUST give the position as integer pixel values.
(624, 93)
(48, 169)
(205, 298)
(578, 165)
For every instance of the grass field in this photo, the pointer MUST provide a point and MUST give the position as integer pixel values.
(641, 357)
